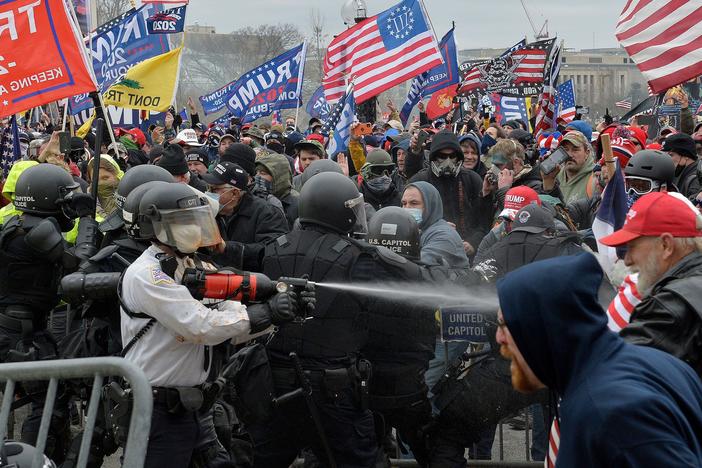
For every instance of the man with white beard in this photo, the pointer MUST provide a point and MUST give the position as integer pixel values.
(663, 237)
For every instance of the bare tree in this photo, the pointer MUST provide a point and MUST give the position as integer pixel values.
(109, 9)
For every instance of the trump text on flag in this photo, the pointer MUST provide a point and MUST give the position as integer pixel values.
(27, 78)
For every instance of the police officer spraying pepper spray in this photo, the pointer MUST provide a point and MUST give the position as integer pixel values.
(168, 333)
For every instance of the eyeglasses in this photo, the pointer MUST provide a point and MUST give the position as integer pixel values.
(640, 185)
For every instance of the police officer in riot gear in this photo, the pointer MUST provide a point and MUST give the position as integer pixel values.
(321, 355)
(169, 334)
(32, 255)
(112, 227)
(94, 289)
(400, 344)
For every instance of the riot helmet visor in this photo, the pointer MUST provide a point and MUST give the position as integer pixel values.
(187, 229)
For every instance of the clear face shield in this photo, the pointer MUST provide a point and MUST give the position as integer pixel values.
(187, 229)
(358, 207)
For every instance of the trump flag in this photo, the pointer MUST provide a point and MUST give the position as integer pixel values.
(41, 57)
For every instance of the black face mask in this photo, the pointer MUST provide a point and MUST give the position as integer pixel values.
(379, 185)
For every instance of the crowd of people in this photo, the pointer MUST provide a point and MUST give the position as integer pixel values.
(205, 255)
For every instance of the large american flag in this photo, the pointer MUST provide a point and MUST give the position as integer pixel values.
(664, 39)
(546, 110)
(565, 101)
(9, 146)
(380, 52)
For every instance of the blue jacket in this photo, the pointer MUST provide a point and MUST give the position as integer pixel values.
(621, 404)
(440, 243)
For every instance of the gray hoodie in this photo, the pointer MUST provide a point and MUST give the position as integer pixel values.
(440, 243)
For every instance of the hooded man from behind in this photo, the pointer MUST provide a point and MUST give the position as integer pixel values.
(276, 170)
(621, 405)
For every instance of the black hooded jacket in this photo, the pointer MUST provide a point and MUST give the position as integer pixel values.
(460, 195)
(621, 405)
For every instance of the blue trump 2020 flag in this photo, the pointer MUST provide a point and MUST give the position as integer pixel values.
(434, 79)
(167, 22)
(271, 86)
(317, 106)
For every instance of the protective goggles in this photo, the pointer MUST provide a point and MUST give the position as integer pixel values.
(640, 185)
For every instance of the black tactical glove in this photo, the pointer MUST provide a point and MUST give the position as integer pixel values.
(281, 308)
(77, 205)
(284, 307)
(308, 298)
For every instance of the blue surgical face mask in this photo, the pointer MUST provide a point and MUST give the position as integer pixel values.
(212, 195)
(416, 214)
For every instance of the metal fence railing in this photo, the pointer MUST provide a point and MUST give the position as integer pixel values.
(98, 368)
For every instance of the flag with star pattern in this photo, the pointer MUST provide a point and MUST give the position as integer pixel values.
(9, 146)
(381, 52)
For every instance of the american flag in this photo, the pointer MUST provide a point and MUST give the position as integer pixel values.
(9, 146)
(544, 118)
(624, 103)
(528, 61)
(565, 101)
(380, 52)
(664, 39)
(340, 120)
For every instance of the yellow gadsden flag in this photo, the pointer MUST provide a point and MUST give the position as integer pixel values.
(149, 85)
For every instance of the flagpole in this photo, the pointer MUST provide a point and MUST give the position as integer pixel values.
(300, 76)
(65, 117)
(426, 16)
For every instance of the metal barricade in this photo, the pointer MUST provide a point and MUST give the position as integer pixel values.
(98, 368)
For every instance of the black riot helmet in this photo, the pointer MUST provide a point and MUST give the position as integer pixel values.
(332, 200)
(19, 455)
(319, 166)
(182, 218)
(395, 228)
(136, 176)
(651, 164)
(139, 228)
(42, 190)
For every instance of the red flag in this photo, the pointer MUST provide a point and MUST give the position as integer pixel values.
(42, 58)
(664, 39)
(441, 102)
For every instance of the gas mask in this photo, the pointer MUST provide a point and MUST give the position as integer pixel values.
(379, 185)
(448, 167)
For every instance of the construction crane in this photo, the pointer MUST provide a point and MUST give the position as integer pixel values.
(538, 34)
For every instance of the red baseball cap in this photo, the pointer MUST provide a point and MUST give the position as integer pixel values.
(517, 198)
(138, 136)
(655, 214)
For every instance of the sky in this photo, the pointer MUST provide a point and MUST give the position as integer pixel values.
(496, 23)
